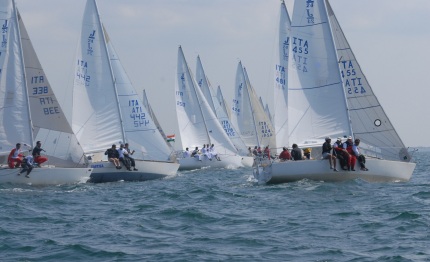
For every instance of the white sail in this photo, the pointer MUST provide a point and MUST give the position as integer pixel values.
(96, 119)
(222, 102)
(242, 113)
(107, 108)
(369, 122)
(48, 123)
(222, 114)
(280, 114)
(316, 101)
(204, 84)
(14, 109)
(139, 128)
(218, 107)
(198, 124)
(263, 124)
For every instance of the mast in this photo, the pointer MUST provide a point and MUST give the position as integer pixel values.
(111, 72)
(24, 74)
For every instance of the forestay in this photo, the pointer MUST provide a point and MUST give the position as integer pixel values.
(316, 102)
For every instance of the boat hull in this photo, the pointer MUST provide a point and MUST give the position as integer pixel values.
(247, 161)
(46, 176)
(105, 171)
(191, 163)
(319, 170)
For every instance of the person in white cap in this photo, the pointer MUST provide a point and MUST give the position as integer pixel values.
(326, 153)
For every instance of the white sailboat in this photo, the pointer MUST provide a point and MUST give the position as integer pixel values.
(198, 124)
(107, 110)
(30, 111)
(248, 114)
(328, 95)
(217, 103)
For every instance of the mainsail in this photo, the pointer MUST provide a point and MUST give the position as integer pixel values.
(316, 100)
(107, 108)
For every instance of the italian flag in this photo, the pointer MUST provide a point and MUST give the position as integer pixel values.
(171, 138)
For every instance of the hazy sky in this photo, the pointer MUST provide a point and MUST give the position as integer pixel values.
(391, 40)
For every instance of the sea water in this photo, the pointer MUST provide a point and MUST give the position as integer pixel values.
(214, 215)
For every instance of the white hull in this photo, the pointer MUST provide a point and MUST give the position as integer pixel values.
(229, 161)
(319, 170)
(105, 171)
(45, 176)
(247, 161)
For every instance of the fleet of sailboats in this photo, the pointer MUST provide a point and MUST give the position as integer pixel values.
(318, 86)
(218, 105)
(198, 124)
(248, 114)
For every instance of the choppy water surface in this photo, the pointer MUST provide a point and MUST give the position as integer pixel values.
(212, 215)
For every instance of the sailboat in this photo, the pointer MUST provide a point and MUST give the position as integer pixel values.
(217, 104)
(198, 124)
(329, 96)
(248, 114)
(30, 111)
(107, 110)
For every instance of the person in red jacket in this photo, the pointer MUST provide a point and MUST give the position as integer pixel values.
(352, 158)
(285, 155)
(36, 154)
(15, 157)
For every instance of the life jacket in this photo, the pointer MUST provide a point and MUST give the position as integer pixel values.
(326, 148)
